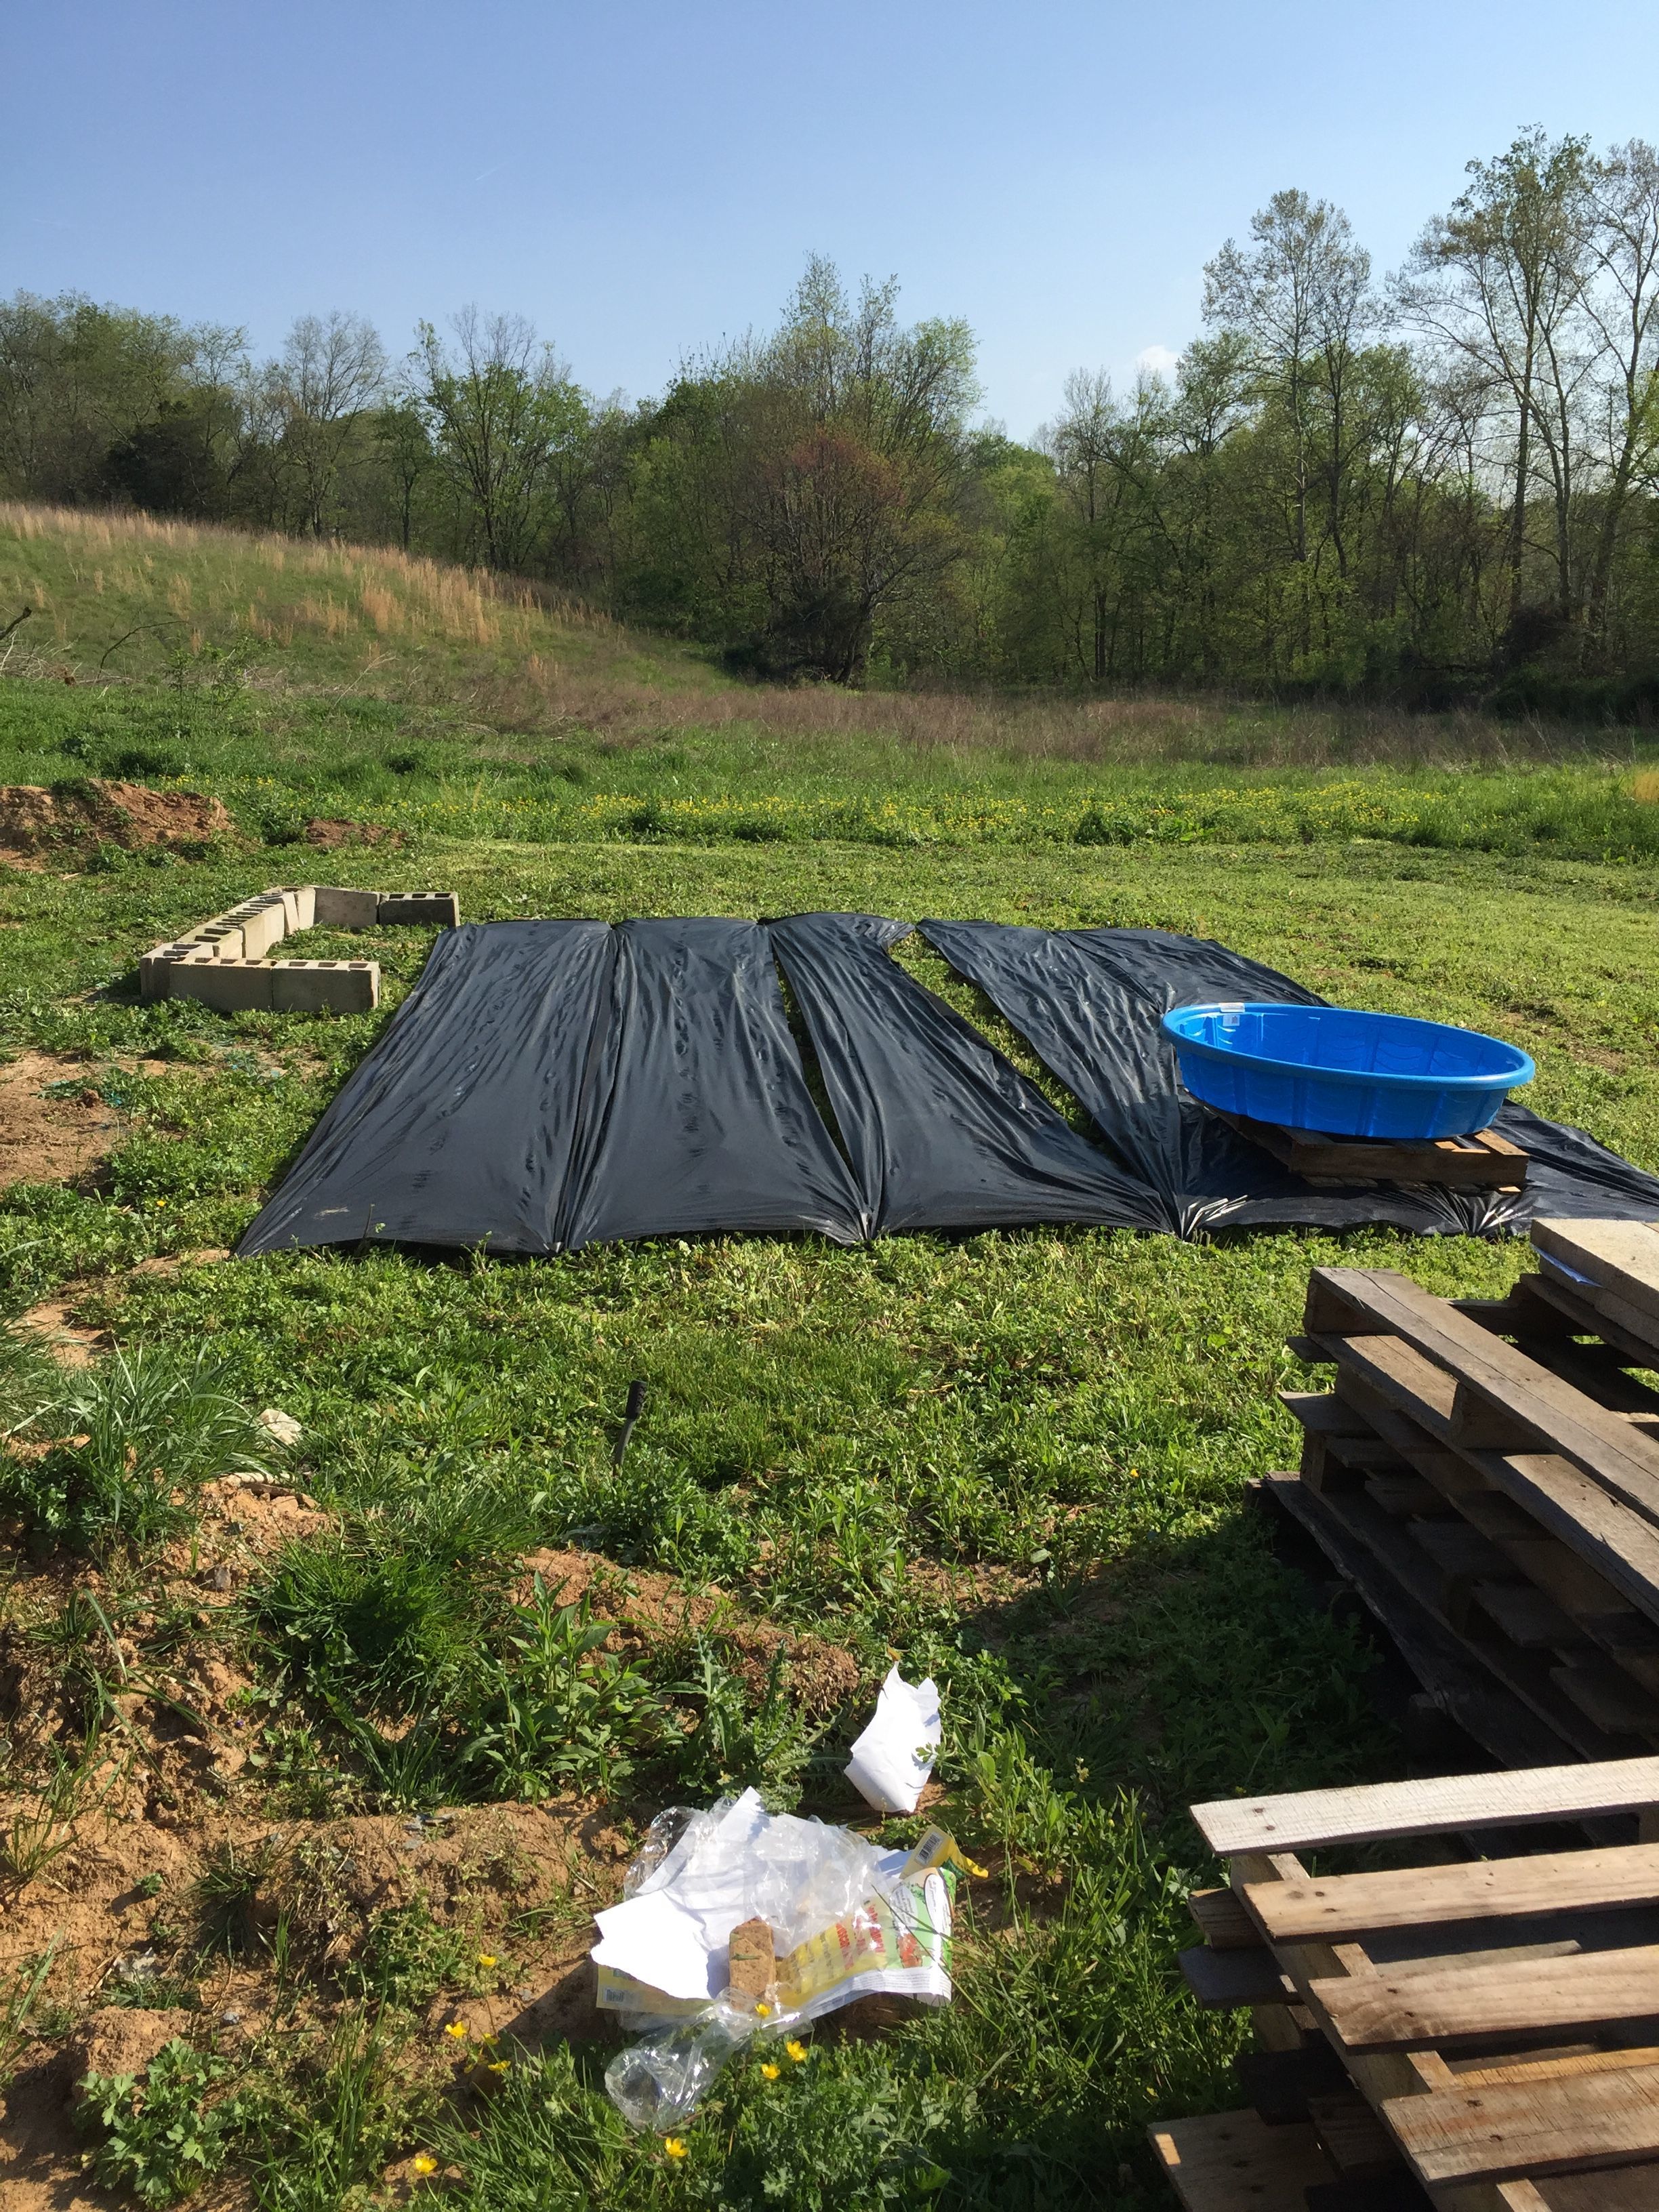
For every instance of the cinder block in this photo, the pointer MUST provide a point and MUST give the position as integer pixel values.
(442, 907)
(223, 938)
(232, 986)
(345, 910)
(264, 923)
(300, 901)
(154, 966)
(311, 987)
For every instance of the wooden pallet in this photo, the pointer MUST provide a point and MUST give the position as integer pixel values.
(1456, 1480)
(1484, 1161)
(1493, 2017)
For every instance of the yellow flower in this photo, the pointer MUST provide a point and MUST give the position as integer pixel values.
(796, 2051)
(769, 2072)
(764, 2010)
(458, 2029)
(487, 1958)
(426, 2163)
(500, 2065)
(675, 2148)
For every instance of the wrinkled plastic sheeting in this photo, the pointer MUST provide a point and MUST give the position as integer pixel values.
(458, 1127)
(942, 1130)
(1088, 1002)
(553, 1084)
(702, 1119)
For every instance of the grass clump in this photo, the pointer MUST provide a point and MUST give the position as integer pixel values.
(119, 1455)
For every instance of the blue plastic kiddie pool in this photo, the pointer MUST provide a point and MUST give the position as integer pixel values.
(1350, 1074)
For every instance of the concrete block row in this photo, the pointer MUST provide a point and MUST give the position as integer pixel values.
(224, 963)
(282, 986)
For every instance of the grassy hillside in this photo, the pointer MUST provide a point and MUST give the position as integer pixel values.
(1017, 1461)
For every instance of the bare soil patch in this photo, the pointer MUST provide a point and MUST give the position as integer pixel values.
(51, 1139)
(95, 811)
(331, 835)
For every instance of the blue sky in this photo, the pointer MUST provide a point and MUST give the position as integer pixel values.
(640, 178)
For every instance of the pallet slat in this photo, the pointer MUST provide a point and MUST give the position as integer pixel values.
(1451, 2002)
(1367, 1813)
(1508, 1385)
(1337, 1907)
(1235, 2163)
(1533, 2130)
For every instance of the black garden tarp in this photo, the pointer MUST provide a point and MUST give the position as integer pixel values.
(1089, 1002)
(549, 1085)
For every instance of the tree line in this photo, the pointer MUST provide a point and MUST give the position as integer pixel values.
(1438, 484)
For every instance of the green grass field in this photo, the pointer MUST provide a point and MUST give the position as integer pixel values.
(1017, 1461)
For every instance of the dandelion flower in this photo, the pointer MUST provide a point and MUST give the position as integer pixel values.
(458, 2029)
(426, 2163)
(675, 2148)
(500, 2065)
(487, 1958)
(769, 2072)
(796, 2051)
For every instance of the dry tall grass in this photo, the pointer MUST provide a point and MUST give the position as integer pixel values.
(514, 658)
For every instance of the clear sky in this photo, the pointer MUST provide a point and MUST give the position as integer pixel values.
(640, 178)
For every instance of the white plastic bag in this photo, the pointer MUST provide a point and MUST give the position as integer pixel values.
(893, 1758)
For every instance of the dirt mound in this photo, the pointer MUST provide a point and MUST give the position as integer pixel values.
(92, 811)
(331, 835)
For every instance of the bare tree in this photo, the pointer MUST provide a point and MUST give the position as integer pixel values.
(1301, 299)
(332, 371)
(1500, 281)
(499, 402)
(1624, 309)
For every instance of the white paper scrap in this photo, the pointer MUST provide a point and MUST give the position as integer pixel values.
(673, 1933)
(893, 1758)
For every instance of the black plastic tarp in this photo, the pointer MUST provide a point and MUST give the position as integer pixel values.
(458, 1127)
(943, 1132)
(1088, 1002)
(701, 1117)
(549, 1084)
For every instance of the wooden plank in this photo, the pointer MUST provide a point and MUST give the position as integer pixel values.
(1405, 1496)
(1322, 1413)
(1589, 1320)
(1444, 1585)
(1435, 1806)
(1386, 2075)
(1529, 1617)
(1336, 1908)
(1620, 1256)
(1450, 1671)
(1351, 2134)
(1223, 1980)
(1617, 2189)
(1362, 1301)
(1278, 2083)
(1565, 1501)
(1456, 2003)
(1480, 1162)
(1235, 2163)
(1608, 1697)
(1222, 1921)
(1535, 2129)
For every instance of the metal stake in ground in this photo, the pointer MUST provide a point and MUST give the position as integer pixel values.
(631, 1413)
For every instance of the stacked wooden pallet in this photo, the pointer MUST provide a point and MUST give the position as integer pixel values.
(1595, 1278)
(1494, 1503)
(1475, 2034)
